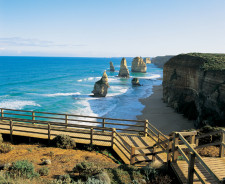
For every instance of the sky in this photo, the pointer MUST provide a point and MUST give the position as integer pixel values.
(111, 28)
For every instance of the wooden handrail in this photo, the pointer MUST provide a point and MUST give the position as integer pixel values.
(199, 158)
(208, 134)
(141, 121)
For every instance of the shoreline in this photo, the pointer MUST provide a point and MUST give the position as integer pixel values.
(163, 117)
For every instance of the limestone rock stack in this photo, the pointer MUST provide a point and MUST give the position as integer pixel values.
(138, 65)
(124, 72)
(101, 86)
(147, 60)
(112, 69)
(135, 82)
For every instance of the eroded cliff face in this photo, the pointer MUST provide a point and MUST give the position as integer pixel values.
(138, 65)
(195, 90)
(160, 60)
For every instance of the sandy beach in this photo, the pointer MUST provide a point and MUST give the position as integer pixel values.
(161, 116)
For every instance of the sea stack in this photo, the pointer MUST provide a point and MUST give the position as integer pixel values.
(112, 69)
(138, 65)
(124, 72)
(135, 82)
(101, 86)
(147, 60)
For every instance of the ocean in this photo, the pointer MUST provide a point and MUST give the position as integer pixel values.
(64, 85)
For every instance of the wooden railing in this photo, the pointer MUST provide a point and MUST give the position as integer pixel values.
(122, 125)
(179, 143)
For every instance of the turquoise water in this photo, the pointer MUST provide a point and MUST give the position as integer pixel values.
(64, 85)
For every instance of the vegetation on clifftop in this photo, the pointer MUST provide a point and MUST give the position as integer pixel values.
(211, 61)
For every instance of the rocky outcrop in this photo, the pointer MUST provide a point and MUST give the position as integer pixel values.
(112, 69)
(138, 65)
(147, 60)
(135, 82)
(160, 60)
(124, 72)
(194, 84)
(101, 86)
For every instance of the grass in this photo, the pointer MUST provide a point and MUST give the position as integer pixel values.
(210, 61)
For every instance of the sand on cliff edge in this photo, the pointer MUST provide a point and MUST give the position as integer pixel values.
(161, 116)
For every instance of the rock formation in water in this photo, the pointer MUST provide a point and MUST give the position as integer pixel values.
(147, 60)
(138, 65)
(112, 69)
(135, 82)
(101, 86)
(124, 72)
(160, 60)
(194, 84)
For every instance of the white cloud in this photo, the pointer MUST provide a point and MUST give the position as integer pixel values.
(18, 41)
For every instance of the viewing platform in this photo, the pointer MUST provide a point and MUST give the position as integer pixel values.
(136, 142)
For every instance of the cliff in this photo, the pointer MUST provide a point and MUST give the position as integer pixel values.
(147, 60)
(194, 84)
(101, 86)
(161, 60)
(112, 69)
(138, 65)
(124, 72)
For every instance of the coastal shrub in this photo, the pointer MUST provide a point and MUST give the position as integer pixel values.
(149, 173)
(44, 171)
(93, 180)
(5, 148)
(87, 169)
(63, 141)
(23, 168)
(104, 177)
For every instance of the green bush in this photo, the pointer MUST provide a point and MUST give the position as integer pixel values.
(63, 141)
(94, 181)
(23, 168)
(149, 172)
(5, 148)
(87, 169)
(44, 171)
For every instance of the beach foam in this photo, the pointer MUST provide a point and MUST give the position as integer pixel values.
(61, 94)
(17, 104)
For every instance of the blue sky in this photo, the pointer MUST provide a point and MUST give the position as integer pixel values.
(111, 28)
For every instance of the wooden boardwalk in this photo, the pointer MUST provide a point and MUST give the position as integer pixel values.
(135, 142)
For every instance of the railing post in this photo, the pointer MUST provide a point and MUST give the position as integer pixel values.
(169, 152)
(113, 135)
(153, 156)
(91, 136)
(146, 128)
(192, 139)
(103, 125)
(132, 153)
(66, 120)
(174, 149)
(11, 130)
(222, 144)
(2, 113)
(191, 168)
(196, 142)
(49, 133)
(33, 115)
